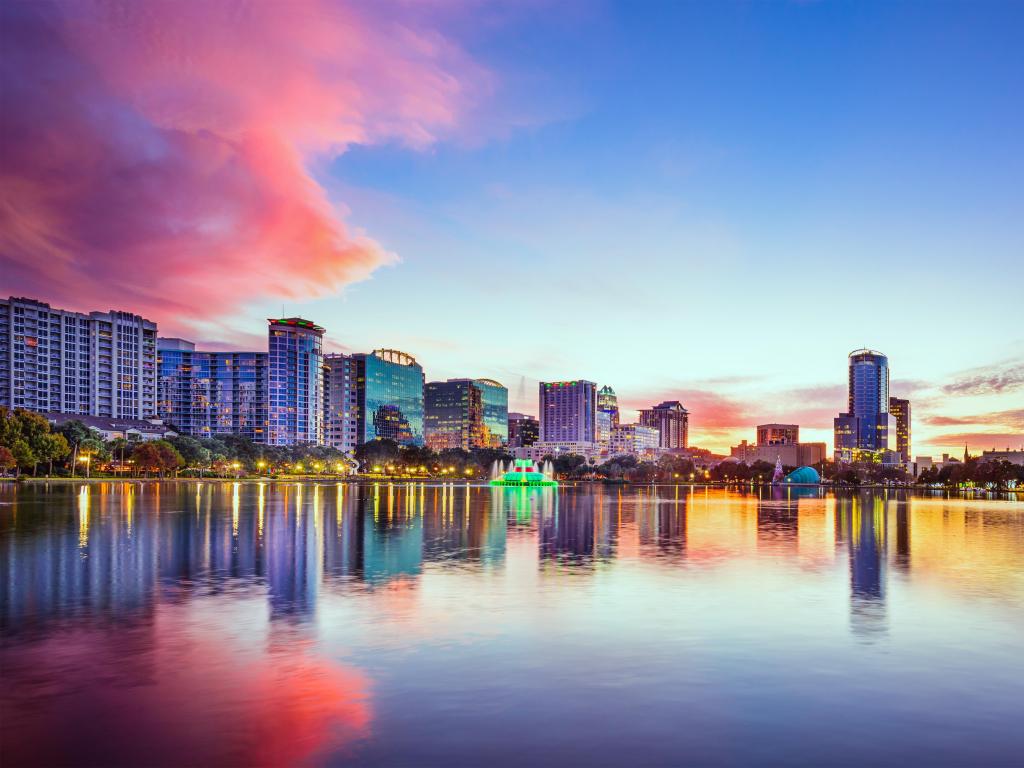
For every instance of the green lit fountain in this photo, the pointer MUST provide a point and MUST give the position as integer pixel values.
(523, 473)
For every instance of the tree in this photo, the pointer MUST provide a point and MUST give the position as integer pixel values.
(53, 447)
(147, 458)
(376, 453)
(169, 458)
(7, 461)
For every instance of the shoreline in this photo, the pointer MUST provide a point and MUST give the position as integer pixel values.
(310, 479)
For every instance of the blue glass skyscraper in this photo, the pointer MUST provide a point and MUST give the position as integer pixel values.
(863, 431)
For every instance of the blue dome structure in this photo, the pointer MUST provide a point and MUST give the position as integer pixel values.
(803, 476)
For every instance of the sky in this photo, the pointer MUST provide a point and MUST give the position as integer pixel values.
(706, 202)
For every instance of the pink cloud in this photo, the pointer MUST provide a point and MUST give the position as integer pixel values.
(159, 156)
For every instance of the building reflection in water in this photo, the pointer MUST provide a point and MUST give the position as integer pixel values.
(113, 550)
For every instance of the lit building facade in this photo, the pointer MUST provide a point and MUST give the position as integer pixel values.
(523, 430)
(453, 415)
(862, 433)
(608, 402)
(567, 411)
(790, 454)
(635, 439)
(671, 420)
(100, 364)
(778, 434)
(495, 405)
(341, 406)
(602, 428)
(204, 394)
(389, 397)
(295, 376)
(900, 410)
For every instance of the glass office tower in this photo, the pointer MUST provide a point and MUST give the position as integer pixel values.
(389, 397)
(900, 409)
(495, 403)
(453, 414)
(863, 431)
(608, 402)
(295, 376)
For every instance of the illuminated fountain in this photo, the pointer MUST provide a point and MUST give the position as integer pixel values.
(522, 473)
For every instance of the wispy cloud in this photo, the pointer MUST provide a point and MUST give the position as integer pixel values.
(988, 380)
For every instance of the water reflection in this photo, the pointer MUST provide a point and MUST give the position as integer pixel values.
(212, 595)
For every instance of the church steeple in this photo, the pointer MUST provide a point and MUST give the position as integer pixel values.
(966, 455)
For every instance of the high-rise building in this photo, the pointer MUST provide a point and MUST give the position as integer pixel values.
(341, 403)
(204, 394)
(602, 428)
(671, 420)
(863, 431)
(124, 365)
(567, 411)
(389, 397)
(296, 379)
(778, 434)
(608, 402)
(900, 409)
(453, 414)
(523, 430)
(100, 364)
(495, 403)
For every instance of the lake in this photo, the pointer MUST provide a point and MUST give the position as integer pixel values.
(220, 623)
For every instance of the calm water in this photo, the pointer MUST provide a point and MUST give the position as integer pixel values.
(224, 623)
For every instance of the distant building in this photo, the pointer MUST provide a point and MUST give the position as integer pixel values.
(295, 382)
(790, 454)
(922, 463)
(634, 439)
(53, 360)
(523, 430)
(389, 397)
(1014, 457)
(495, 404)
(602, 428)
(453, 415)
(900, 409)
(341, 425)
(608, 402)
(671, 420)
(539, 450)
(863, 431)
(777, 434)
(567, 411)
(204, 394)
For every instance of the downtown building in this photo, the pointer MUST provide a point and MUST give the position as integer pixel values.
(523, 430)
(608, 403)
(58, 361)
(568, 419)
(863, 432)
(465, 413)
(671, 420)
(205, 394)
(373, 396)
(779, 442)
(295, 381)
(900, 410)
(637, 440)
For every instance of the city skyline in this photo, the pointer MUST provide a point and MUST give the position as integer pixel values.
(633, 206)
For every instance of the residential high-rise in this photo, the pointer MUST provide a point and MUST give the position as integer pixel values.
(863, 431)
(205, 394)
(295, 376)
(495, 403)
(778, 434)
(671, 420)
(453, 415)
(567, 411)
(900, 409)
(523, 430)
(341, 404)
(608, 402)
(100, 364)
(389, 397)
